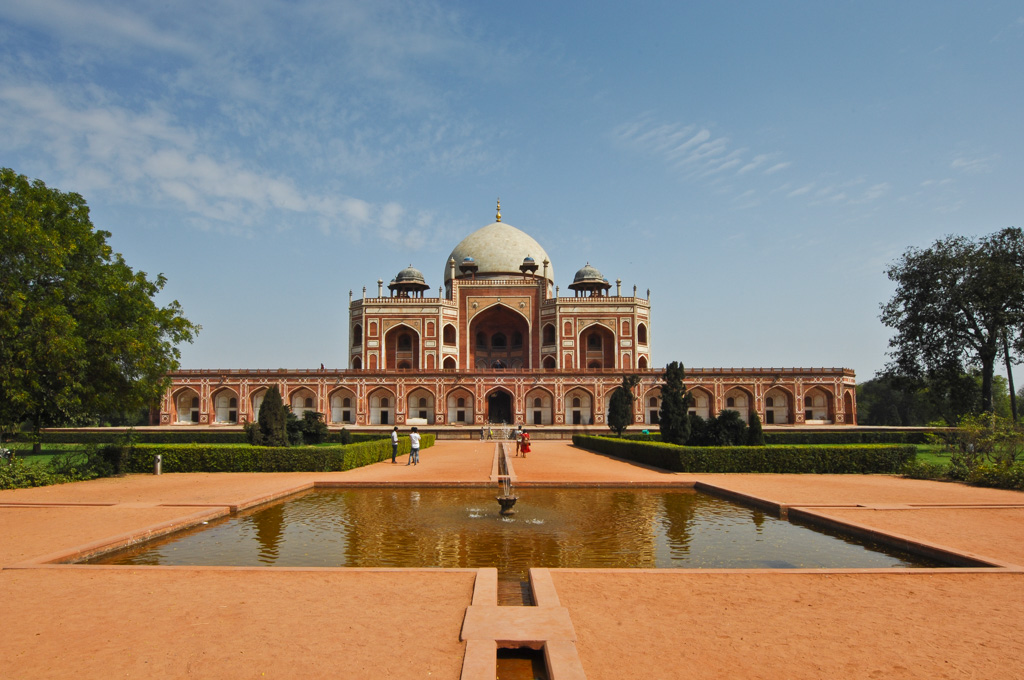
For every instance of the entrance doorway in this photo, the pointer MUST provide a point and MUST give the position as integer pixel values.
(499, 407)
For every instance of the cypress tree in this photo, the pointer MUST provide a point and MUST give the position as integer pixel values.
(755, 435)
(673, 418)
(273, 419)
(620, 406)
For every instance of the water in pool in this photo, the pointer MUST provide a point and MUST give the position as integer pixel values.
(461, 527)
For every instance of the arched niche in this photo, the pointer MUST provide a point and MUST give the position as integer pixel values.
(701, 403)
(402, 348)
(382, 406)
(343, 406)
(302, 399)
(496, 330)
(597, 347)
(540, 407)
(579, 407)
(225, 406)
(420, 403)
(460, 406)
(778, 407)
(186, 407)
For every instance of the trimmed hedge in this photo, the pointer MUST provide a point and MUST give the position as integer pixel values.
(834, 459)
(246, 458)
(172, 437)
(852, 436)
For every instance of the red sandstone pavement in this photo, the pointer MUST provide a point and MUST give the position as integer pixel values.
(100, 622)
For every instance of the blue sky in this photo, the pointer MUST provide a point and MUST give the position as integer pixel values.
(755, 165)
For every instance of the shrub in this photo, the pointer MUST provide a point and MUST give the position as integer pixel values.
(314, 429)
(779, 459)
(919, 470)
(19, 474)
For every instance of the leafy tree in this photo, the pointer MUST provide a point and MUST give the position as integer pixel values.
(273, 419)
(957, 303)
(732, 431)
(889, 399)
(620, 406)
(755, 434)
(673, 418)
(293, 427)
(80, 334)
(314, 429)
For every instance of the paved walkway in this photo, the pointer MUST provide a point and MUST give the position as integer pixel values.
(102, 622)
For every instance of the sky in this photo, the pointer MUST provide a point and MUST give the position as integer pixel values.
(756, 165)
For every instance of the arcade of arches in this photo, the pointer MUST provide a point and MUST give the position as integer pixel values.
(444, 399)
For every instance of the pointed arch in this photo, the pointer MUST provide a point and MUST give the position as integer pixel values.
(779, 406)
(818, 405)
(186, 406)
(738, 399)
(496, 329)
(460, 406)
(401, 347)
(540, 406)
(256, 400)
(382, 406)
(702, 403)
(579, 406)
(652, 405)
(303, 399)
(596, 343)
(343, 406)
(225, 406)
(420, 405)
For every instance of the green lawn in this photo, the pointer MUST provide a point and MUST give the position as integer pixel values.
(24, 451)
(932, 454)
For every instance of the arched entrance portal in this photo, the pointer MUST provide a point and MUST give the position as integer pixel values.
(499, 407)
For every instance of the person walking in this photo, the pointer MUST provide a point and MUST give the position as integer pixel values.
(394, 444)
(414, 452)
(525, 446)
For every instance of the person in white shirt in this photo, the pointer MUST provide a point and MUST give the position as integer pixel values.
(414, 452)
(394, 444)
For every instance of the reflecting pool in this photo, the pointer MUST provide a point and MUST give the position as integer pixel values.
(461, 527)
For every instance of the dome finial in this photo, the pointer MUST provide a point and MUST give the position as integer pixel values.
(497, 217)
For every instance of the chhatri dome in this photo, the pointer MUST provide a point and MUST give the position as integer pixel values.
(499, 250)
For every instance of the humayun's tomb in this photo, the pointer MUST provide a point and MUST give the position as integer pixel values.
(500, 345)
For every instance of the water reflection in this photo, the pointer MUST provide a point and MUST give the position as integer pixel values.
(461, 527)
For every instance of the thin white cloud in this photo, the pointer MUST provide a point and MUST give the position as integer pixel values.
(800, 191)
(974, 165)
(695, 151)
(149, 156)
(777, 167)
(94, 23)
(753, 164)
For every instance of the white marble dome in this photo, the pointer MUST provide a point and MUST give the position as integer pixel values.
(499, 250)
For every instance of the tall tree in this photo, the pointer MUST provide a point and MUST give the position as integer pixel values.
(79, 331)
(620, 406)
(673, 418)
(755, 433)
(273, 419)
(954, 304)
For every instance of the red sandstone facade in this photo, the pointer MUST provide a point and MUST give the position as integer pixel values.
(501, 345)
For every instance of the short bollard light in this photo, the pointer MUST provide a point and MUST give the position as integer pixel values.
(158, 463)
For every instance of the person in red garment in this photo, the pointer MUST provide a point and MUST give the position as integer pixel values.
(525, 446)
